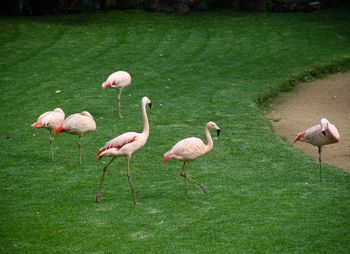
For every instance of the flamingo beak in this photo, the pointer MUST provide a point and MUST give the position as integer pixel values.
(150, 105)
(218, 132)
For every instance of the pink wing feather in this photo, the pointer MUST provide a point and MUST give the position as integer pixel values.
(119, 142)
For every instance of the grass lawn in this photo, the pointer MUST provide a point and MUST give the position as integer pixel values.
(263, 196)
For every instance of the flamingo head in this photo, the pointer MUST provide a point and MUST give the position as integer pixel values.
(324, 126)
(300, 137)
(213, 126)
(146, 101)
(105, 85)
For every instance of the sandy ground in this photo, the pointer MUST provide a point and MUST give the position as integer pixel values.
(304, 107)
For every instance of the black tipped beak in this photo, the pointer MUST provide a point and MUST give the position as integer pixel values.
(150, 105)
(323, 133)
(218, 132)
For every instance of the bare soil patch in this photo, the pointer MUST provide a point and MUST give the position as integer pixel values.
(304, 107)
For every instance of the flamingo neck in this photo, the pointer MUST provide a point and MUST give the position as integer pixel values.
(209, 139)
(145, 120)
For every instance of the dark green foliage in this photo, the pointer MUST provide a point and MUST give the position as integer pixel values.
(263, 195)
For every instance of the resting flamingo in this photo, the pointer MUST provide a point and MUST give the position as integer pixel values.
(124, 146)
(118, 80)
(50, 120)
(189, 149)
(78, 124)
(319, 135)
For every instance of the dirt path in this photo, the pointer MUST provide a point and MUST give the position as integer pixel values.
(305, 106)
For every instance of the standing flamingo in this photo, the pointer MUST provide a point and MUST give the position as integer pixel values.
(189, 149)
(319, 135)
(124, 145)
(50, 120)
(118, 80)
(78, 124)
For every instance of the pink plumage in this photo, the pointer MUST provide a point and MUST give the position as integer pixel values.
(118, 80)
(191, 148)
(319, 135)
(117, 145)
(50, 120)
(78, 124)
(125, 145)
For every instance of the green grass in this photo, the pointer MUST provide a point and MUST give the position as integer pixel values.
(263, 195)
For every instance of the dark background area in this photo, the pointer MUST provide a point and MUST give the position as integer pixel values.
(43, 7)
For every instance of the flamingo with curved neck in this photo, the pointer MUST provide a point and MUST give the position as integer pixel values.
(50, 120)
(319, 135)
(189, 149)
(124, 146)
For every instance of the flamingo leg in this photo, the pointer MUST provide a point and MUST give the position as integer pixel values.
(184, 174)
(79, 145)
(98, 196)
(52, 145)
(119, 102)
(320, 161)
(130, 182)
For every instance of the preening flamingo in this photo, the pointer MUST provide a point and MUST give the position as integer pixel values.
(50, 120)
(189, 149)
(319, 135)
(78, 124)
(118, 80)
(125, 145)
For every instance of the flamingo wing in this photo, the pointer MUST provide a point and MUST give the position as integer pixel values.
(41, 120)
(189, 148)
(79, 123)
(333, 133)
(119, 142)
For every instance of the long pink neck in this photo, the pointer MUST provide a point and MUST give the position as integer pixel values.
(209, 139)
(145, 121)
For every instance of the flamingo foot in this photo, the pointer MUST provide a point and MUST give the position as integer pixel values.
(98, 198)
(203, 188)
(137, 202)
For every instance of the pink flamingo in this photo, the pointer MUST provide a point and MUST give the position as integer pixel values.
(50, 120)
(118, 80)
(319, 135)
(125, 145)
(189, 149)
(78, 124)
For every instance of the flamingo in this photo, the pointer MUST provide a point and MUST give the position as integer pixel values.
(118, 80)
(319, 135)
(50, 120)
(125, 145)
(78, 124)
(189, 149)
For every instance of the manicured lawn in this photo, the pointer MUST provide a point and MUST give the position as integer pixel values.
(263, 195)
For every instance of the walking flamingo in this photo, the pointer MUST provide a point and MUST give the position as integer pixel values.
(189, 149)
(78, 124)
(125, 145)
(319, 135)
(118, 80)
(50, 120)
